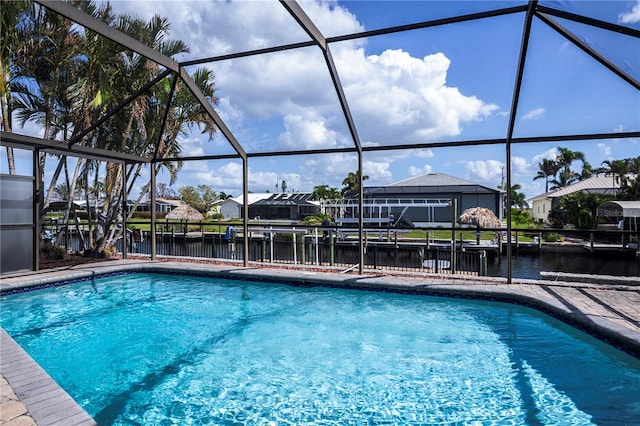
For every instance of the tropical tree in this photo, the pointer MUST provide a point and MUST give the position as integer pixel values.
(624, 172)
(548, 169)
(324, 192)
(518, 199)
(62, 191)
(565, 159)
(164, 191)
(587, 171)
(580, 208)
(65, 79)
(10, 42)
(617, 169)
(352, 183)
(201, 198)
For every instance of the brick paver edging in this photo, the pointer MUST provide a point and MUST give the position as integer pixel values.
(46, 402)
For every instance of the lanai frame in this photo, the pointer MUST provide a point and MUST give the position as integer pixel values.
(178, 71)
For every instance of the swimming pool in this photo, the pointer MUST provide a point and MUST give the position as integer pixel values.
(167, 349)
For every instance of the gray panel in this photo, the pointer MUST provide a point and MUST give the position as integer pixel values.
(16, 214)
(15, 248)
(16, 200)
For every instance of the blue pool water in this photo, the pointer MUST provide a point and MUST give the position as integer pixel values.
(157, 349)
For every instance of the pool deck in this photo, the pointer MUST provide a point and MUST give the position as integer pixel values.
(606, 307)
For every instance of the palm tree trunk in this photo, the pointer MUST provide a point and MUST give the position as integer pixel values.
(11, 160)
(52, 184)
(7, 128)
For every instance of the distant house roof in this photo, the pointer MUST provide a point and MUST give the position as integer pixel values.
(294, 199)
(600, 184)
(164, 201)
(252, 197)
(176, 203)
(431, 182)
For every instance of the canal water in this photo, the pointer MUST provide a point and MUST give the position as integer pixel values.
(529, 266)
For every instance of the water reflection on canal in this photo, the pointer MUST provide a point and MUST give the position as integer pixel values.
(530, 266)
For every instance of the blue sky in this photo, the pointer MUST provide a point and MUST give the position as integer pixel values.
(453, 82)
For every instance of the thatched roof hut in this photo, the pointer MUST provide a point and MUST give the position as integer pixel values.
(480, 217)
(184, 212)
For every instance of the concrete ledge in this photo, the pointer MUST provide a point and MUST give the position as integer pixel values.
(589, 279)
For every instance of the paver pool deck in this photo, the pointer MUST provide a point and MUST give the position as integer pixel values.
(606, 307)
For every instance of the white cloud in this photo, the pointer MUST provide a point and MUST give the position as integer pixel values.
(486, 171)
(423, 153)
(378, 172)
(308, 130)
(228, 112)
(534, 114)
(212, 28)
(416, 171)
(226, 177)
(549, 154)
(605, 150)
(331, 18)
(520, 166)
(632, 16)
(395, 97)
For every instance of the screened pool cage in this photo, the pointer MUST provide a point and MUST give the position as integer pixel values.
(610, 46)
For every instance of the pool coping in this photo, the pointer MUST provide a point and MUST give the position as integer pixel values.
(49, 404)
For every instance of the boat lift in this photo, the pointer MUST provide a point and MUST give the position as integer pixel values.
(379, 210)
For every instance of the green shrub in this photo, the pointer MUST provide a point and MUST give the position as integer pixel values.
(316, 220)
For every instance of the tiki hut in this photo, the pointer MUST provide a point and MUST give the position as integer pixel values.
(186, 213)
(480, 217)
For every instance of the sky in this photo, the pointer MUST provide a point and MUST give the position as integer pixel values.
(448, 83)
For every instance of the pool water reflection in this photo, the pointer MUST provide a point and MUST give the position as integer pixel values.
(163, 349)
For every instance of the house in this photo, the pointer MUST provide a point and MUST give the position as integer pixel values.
(542, 204)
(427, 199)
(292, 206)
(81, 206)
(163, 205)
(231, 208)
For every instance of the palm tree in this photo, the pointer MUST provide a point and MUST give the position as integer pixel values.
(587, 171)
(324, 192)
(548, 168)
(518, 199)
(10, 42)
(564, 159)
(352, 182)
(66, 79)
(617, 169)
(633, 189)
(42, 72)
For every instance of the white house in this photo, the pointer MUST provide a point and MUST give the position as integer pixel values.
(231, 208)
